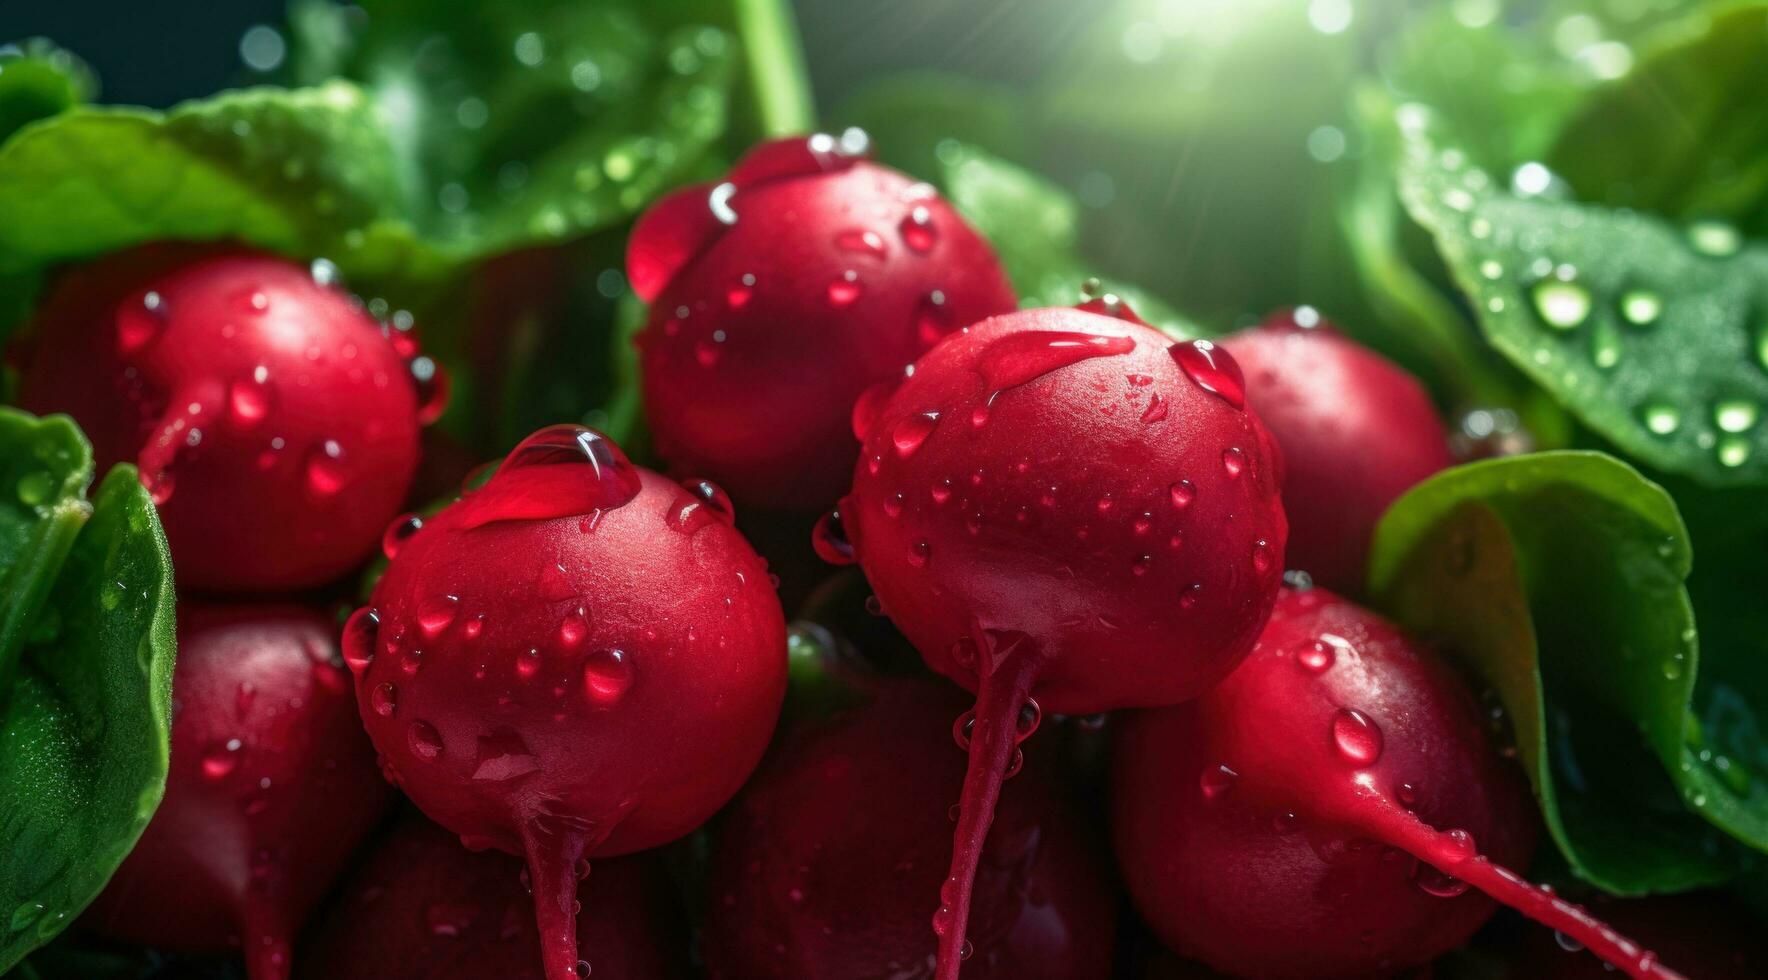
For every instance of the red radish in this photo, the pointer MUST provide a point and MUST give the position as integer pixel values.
(782, 293)
(274, 421)
(425, 908)
(1323, 811)
(822, 867)
(272, 788)
(1356, 431)
(1064, 510)
(579, 659)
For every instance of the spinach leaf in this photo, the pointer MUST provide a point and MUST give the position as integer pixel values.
(38, 80)
(1033, 226)
(1655, 337)
(1684, 134)
(86, 650)
(1557, 579)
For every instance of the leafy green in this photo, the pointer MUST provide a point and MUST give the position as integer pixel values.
(1685, 134)
(38, 80)
(911, 115)
(1655, 337)
(1558, 580)
(86, 647)
(1033, 226)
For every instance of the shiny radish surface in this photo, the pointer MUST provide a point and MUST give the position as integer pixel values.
(1334, 808)
(274, 421)
(1356, 431)
(423, 907)
(272, 789)
(1065, 511)
(580, 659)
(822, 868)
(781, 293)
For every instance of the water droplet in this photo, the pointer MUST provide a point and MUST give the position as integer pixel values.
(933, 320)
(573, 628)
(941, 491)
(1188, 598)
(1641, 307)
(1433, 882)
(1735, 415)
(738, 295)
(1734, 451)
(1660, 418)
(425, 741)
(919, 552)
(384, 700)
(607, 675)
(360, 638)
(1566, 942)
(449, 921)
(712, 497)
(432, 388)
(830, 541)
(250, 400)
(1715, 238)
(436, 614)
(1182, 493)
(1562, 305)
(844, 289)
(1156, 410)
(35, 487)
(911, 432)
(139, 323)
(1316, 657)
(868, 243)
(1216, 780)
(1605, 345)
(1212, 369)
(1031, 714)
(1407, 795)
(1357, 738)
(528, 663)
(221, 760)
(1141, 565)
(399, 532)
(917, 229)
(962, 727)
(530, 485)
(1233, 461)
(326, 470)
(1262, 559)
(1018, 358)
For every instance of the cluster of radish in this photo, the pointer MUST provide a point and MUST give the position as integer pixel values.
(1065, 511)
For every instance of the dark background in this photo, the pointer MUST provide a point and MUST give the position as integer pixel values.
(157, 53)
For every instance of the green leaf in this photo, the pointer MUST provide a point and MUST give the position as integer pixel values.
(1685, 134)
(531, 123)
(86, 648)
(1557, 579)
(1033, 226)
(1656, 337)
(38, 80)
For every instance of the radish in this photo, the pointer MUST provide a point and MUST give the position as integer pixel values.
(274, 421)
(779, 295)
(579, 659)
(1323, 811)
(272, 787)
(820, 868)
(425, 908)
(1065, 511)
(1356, 431)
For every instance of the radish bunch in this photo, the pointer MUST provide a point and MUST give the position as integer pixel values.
(1064, 511)
(580, 659)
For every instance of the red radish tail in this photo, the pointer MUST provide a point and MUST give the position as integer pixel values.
(1010, 669)
(266, 941)
(1456, 854)
(552, 870)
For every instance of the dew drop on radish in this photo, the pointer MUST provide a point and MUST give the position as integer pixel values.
(844, 289)
(399, 532)
(1213, 371)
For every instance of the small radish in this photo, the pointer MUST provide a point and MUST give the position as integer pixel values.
(1356, 432)
(273, 419)
(271, 790)
(779, 295)
(579, 659)
(425, 908)
(1323, 811)
(822, 868)
(1063, 510)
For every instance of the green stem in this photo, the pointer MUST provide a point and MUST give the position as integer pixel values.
(774, 54)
